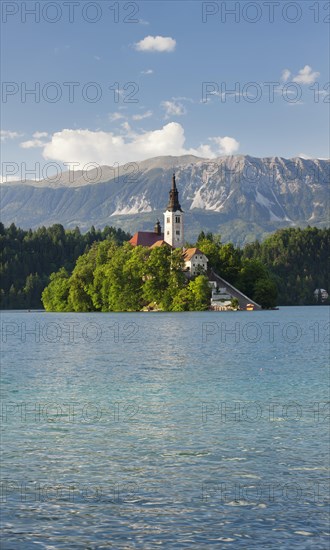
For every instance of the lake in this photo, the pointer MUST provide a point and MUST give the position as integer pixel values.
(175, 430)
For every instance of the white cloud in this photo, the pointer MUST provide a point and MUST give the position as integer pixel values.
(37, 141)
(116, 116)
(32, 144)
(127, 130)
(173, 108)
(7, 134)
(147, 71)
(156, 44)
(285, 75)
(143, 22)
(86, 146)
(147, 114)
(38, 135)
(8, 179)
(306, 76)
(226, 145)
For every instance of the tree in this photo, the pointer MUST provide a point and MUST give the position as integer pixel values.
(230, 262)
(157, 274)
(265, 293)
(55, 295)
(251, 271)
(201, 293)
(42, 252)
(183, 300)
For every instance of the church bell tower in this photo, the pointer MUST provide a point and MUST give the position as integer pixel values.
(173, 219)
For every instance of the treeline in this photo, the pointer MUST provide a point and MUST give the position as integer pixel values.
(249, 275)
(293, 261)
(98, 271)
(298, 260)
(29, 258)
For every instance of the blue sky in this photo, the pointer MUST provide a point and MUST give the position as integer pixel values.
(164, 57)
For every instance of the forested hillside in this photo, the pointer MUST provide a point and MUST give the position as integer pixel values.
(298, 260)
(29, 257)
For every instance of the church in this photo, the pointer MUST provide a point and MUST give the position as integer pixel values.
(173, 235)
(195, 262)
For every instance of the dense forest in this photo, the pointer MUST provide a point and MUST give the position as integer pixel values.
(99, 271)
(297, 261)
(29, 258)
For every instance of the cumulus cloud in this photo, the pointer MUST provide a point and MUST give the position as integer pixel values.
(226, 145)
(285, 75)
(7, 134)
(100, 147)
(306, 76)
(173, 108)
(156, 44)
(38, 135)
(141, 116)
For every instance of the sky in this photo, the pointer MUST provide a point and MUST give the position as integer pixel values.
(94, 83)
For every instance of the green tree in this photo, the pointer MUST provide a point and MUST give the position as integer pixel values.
(201, 293)
(55, 295)
(265, 293)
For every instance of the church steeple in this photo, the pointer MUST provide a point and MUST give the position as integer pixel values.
(173, 219)
(174, 205)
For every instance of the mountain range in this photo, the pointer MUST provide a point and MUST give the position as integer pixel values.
(240, 197)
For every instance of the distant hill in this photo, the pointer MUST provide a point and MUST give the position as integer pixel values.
(240, 197)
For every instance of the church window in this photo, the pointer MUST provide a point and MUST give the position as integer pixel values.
(168, 220)
(177, 219)
(168, 233)
(177, 232)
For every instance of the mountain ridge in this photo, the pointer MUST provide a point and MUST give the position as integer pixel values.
(242, 197)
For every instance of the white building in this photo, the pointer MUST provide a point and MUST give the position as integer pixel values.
(195, 261)
(321, 293)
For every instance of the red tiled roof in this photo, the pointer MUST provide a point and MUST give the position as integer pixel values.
(190, 252)
(146, 238)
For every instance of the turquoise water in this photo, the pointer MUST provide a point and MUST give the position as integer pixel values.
(192, 430)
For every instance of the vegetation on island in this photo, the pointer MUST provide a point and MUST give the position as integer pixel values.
(125, 278)
(29, 257)
(64, 270)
